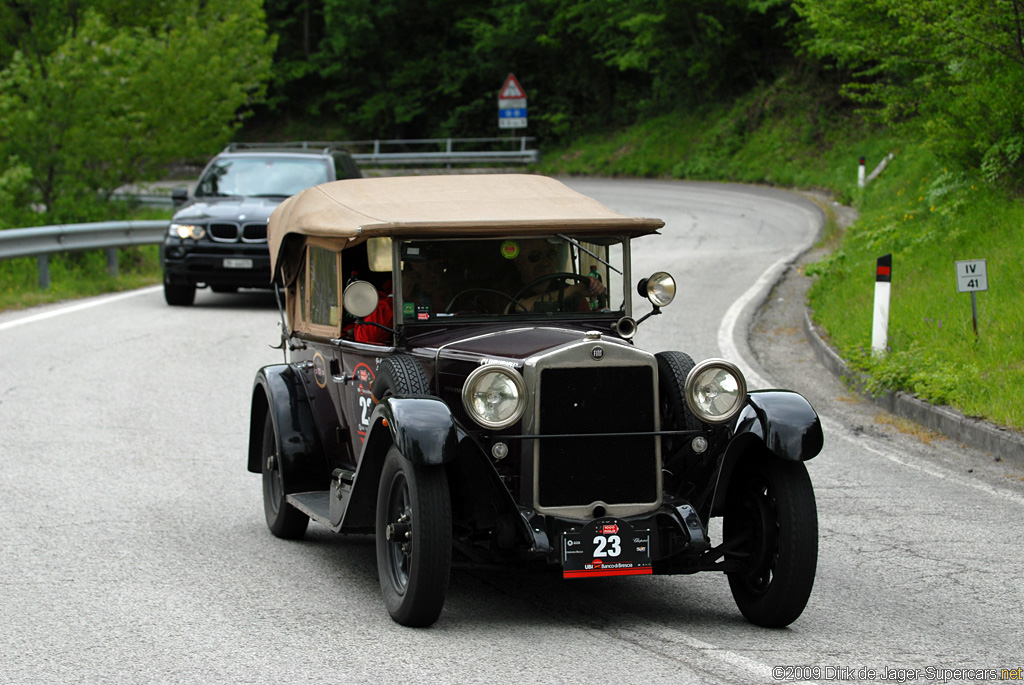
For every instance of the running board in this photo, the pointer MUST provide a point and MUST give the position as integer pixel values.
(316, 505)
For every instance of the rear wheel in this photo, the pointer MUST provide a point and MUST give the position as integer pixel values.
(771, 519)
(284, 520)
(414, 539)
(179, 295)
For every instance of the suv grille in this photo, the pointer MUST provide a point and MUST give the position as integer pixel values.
(224, 233)
(577, 471)
(254, 233)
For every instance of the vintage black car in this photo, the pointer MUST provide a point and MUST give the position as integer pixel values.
(460, 378)
(218, 238)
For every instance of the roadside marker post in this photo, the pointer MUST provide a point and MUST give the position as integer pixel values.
(861, 173)
(972, 276)
(880, 323)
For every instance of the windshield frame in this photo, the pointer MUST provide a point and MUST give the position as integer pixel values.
(609, 315)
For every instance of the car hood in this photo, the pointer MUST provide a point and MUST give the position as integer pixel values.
(252, 209)
(510, 345)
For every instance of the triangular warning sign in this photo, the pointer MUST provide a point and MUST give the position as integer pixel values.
(511, 89)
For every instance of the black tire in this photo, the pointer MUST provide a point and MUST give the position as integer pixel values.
(673, 367)
(179, 295)
(284, 520)
(772, 516)
(400, 375)
(414, 539)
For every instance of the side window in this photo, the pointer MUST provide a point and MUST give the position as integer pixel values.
(324, 291)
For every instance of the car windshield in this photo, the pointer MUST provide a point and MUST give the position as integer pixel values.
(556, 276)
(256, 176)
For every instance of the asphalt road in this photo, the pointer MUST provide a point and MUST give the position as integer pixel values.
(134, 547)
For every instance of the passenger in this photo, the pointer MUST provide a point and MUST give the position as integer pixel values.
(537, 258)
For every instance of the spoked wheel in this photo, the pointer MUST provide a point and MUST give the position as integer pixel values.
(414, 539)
(772, 520)
(284, 520)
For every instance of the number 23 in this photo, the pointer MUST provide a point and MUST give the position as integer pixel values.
(611, 542)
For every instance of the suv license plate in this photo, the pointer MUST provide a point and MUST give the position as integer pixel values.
(606, 547)
(237, 263)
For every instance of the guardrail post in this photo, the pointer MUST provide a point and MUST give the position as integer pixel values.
(112, 261)
(43, 266)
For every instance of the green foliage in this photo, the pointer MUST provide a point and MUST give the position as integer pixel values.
(76, 275)
(118, 101)
(412, 69)
(952, 70)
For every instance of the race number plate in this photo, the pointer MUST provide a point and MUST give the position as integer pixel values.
(237, 263)
(606, 547)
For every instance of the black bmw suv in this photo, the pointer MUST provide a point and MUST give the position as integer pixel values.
(218, 237)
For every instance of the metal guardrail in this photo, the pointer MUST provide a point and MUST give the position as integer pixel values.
(43, 241)
(444, 150)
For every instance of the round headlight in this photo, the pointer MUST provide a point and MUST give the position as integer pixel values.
(187, 231)
(661, 289)
(715, 390)
(494, 396)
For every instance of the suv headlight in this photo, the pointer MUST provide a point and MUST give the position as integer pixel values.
(186, 231)
(715, 390)
(494, 396)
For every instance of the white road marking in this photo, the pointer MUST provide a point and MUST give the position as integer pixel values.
(69, 309)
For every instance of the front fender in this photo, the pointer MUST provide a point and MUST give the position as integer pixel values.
(421, 427)
(279, 389)
(773, 424)
(424, 431)
(785, 421)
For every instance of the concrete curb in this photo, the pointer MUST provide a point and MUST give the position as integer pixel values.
(979, 434)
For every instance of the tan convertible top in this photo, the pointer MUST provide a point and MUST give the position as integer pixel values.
(472, 205)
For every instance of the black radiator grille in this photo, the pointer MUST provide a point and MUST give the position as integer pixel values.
(223, 232)
(254, 233)
(576, 471)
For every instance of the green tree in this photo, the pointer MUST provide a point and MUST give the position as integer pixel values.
(954, 68)
(89, 101)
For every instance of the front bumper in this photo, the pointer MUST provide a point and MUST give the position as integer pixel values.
(189, 262)
(677, 539)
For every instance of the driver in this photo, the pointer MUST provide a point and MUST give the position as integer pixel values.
(538, 258)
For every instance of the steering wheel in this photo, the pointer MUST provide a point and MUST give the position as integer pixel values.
(562, 275)
(448, 309)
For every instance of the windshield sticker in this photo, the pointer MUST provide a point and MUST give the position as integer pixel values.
(510, 249)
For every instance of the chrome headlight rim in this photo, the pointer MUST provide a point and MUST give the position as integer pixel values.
(690, 390)
(517, 381)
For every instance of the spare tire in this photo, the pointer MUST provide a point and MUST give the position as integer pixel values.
(673, 368)
(400, 375)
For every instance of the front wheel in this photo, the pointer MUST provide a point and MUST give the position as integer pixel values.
(771, 523)
(179, 295)
(414, 539)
